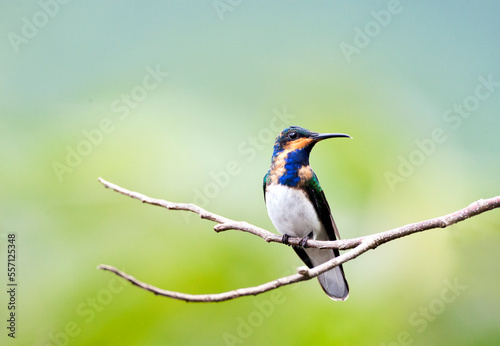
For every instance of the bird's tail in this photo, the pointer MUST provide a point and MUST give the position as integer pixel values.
(333, 281)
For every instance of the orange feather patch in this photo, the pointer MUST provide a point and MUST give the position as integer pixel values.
(298, 144)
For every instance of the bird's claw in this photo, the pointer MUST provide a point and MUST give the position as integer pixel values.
(303, 241)
(284, 239)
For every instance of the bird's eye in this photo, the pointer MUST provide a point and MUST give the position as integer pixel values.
(293, 135)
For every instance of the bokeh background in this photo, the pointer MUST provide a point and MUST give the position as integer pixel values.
(182, 100)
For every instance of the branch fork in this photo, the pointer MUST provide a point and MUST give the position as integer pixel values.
(356, 246)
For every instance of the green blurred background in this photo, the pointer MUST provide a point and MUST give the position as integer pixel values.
(80, 99)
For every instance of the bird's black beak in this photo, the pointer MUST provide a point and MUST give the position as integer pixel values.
(320, 136)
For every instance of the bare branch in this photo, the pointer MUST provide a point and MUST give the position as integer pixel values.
(357, 246)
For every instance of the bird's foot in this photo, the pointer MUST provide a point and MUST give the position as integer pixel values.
(284, 239)
(303, 242)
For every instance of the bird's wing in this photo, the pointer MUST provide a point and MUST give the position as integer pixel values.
(266, 177)
(318, 199)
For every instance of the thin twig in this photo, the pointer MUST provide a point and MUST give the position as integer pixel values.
(357, 246)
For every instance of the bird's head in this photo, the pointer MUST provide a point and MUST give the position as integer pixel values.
(297, 138)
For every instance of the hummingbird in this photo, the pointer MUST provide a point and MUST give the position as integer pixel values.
(297, 205)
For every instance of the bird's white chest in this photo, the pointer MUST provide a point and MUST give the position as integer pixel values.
(291, 212)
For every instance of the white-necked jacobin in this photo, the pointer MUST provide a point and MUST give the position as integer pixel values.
(297, 206)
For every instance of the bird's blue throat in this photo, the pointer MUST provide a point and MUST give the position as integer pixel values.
(294, 161)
